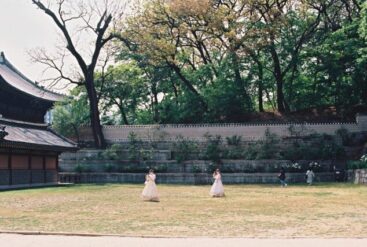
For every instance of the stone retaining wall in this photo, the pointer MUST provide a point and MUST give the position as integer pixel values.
(248, 132)
(194, 166)
(189, 178)
(95, 154)
(359, 176)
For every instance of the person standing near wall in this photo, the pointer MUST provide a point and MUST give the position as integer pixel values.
(150, 192)
(310, 175)
(282, 177)
(217, 189)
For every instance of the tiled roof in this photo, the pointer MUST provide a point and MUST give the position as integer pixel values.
(3, 133)
(33, 136)
(16, 79)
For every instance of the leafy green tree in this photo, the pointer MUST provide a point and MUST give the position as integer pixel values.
(217, 61)
(70, 114)
(335, 74)
(123, 87)
(363, 24)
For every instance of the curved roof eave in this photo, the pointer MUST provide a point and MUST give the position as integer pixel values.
(33, 135)
(17, 80)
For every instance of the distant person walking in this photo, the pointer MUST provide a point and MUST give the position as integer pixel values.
(150, 192)
(310, 175)
(282, 177)
(217, 189)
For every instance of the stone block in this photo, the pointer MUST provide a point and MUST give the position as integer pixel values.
(197, 178)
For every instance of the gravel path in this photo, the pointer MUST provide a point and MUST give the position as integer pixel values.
(17, 240)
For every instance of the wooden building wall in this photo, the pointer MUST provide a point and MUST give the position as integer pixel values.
(27, 167)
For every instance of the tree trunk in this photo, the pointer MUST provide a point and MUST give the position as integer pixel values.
(279, 80)
(189, 85)
(175, 91)
(280, 94)
(240, 82)
(88, 70)
(270, 100)
(76, 132)
(123, 114)
(155, 103)
(99, 140)
(261, 86)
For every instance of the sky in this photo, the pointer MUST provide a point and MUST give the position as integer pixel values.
(23, 27)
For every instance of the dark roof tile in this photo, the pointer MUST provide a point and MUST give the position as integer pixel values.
(16, 79)
(33, 135)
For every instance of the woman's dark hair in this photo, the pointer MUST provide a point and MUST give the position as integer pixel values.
(151, 170)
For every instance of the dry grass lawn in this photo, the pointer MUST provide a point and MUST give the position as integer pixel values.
(329, 210)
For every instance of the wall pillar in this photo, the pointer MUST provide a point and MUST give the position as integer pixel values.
(361, 120)
(10, 168)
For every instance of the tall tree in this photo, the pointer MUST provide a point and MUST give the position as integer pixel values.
(123, 86)
(70, 114)
(222, 58)
(95, 19)
(363, 24)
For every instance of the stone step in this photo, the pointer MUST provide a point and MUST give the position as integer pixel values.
(192, 166)
(93, 154)
(185, 178)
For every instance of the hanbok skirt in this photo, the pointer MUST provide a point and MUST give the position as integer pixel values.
(150, 192)
(309, 179)
(217, 189)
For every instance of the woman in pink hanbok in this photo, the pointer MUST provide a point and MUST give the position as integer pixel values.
(150, 192)
(217, 189)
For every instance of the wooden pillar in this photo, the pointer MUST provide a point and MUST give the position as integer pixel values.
(57, 162)
(30, 168)
(44, 169)
(57, 168)
(10, 168)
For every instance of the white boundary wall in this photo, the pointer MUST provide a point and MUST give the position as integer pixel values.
(248, 132)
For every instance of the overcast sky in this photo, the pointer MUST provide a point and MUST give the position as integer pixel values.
(24, 27)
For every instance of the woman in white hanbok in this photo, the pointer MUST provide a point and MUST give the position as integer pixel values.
(150, 192)
(310, 175)
(217, 189)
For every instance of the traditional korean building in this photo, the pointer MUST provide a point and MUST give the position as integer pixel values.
(29, 149)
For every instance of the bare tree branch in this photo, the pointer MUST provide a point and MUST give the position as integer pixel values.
(87, 15)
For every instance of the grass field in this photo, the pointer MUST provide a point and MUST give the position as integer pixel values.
(328, 210)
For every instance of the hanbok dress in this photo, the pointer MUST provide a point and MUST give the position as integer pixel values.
(150, 192)
(217, 189)
(310, 176)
